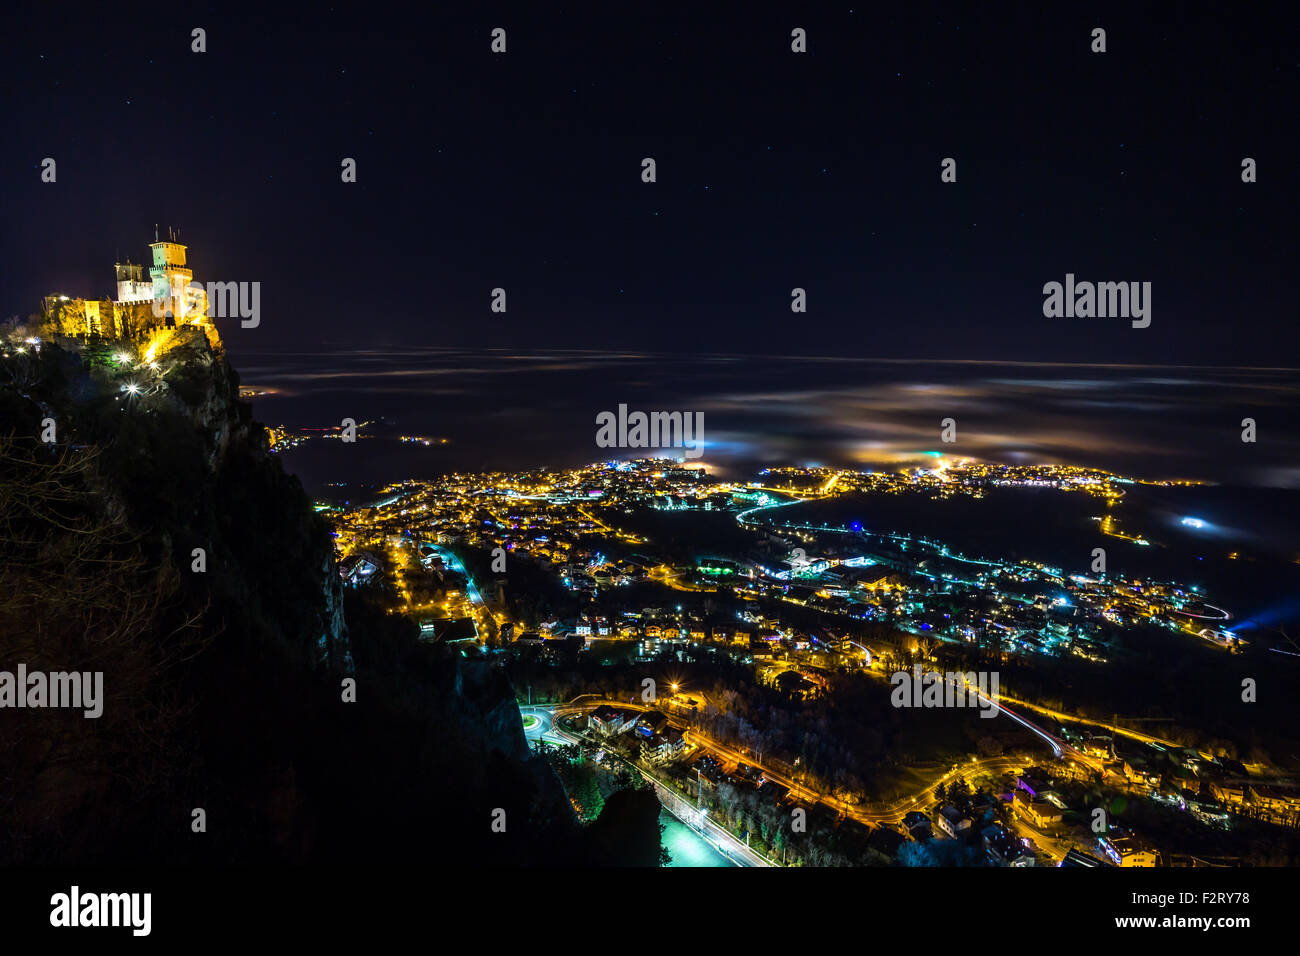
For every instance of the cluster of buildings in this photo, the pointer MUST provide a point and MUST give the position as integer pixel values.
(639, 734)
(570, 522)
(1277, 802)
(1210, 788)
(1036, 801)
(951, 476)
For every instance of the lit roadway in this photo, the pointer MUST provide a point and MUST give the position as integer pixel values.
(1053, 845)
(923, 800)
(920, 800)
(724, 842)
(635, 539)
(451, 560)
(1059, 747)
(596, 521)
(668, 577)
(1074, 719)
(742, 515)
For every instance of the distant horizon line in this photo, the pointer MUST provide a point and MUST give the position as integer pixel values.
(636, 353)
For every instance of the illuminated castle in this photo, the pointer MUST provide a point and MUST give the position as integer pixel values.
(168, 299)
(169, 282)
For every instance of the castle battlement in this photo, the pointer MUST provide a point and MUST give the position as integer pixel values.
(167, 299)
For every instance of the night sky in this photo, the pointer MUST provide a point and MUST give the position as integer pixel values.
(775, 170)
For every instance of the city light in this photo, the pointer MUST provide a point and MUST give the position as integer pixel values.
(929, 578)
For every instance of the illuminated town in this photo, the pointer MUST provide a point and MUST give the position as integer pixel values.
(729, 642)
(798, 608)
(526, 447)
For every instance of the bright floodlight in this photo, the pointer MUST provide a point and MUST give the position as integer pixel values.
(123, 357)
(132, 388)
(1194, 522)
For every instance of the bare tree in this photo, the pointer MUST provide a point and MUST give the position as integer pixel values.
(78, 594)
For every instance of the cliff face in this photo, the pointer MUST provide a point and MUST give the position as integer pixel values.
(157, 540)
(487, 708)
(272, 524)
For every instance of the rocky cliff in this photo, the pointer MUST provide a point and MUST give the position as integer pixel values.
(149, 534)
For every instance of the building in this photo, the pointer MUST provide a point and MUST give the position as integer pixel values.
(952, 821)
(1038, 810)
(171, 282)
(1003, 848)
(169, 298)
(650, 723)
(1035, 781)
(1098, 745)
(1275, 803)
(918, 826)
(131, 286)
(358, 568)
(1231, 792)
(708, 769)
(609, 721)
(663, 745)
(1137, 770)
(1127, 849)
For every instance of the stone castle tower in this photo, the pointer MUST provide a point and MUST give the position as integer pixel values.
(168, 290)
(167, 299)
